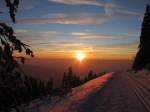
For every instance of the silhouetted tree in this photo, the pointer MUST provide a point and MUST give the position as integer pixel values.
(142, 59)
(70, 80)
(90, 75)
(49, 86)
(13, 85)
(27, 83)
(13, 6)
(64, 81)
(9, 68)
(38, 88)
(76, 81)
(42, 88)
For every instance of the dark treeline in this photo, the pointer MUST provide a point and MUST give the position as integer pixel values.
(142, 59)
(71, 80)
(17, 89)
(37, 88)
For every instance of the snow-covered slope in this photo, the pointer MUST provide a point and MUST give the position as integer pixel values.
(70, 102)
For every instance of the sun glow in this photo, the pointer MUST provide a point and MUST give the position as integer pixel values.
(80, 55)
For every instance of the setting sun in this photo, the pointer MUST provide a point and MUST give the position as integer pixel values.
(80, 55)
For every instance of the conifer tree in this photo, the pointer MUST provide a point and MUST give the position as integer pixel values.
(49, 86)
(64, 81)
(90, 75)
(12, 86)
(142, 59)
(70, 80)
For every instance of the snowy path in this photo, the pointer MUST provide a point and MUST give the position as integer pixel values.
(113, 92)
(122, 94)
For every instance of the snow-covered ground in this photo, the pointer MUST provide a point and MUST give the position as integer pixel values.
(78, 95)
(112, 92)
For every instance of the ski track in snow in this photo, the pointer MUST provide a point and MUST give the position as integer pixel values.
(117, 96)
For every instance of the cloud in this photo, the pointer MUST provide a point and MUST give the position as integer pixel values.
(35, 37)
(119, 49)
(56, 46)
(92, 35)
(130, 13)
(111, 10)
(59, 48)
(23, 32)
(67, 49)
(20, 31)
(79, 2)
(49, 42)
(68, 46)
(62, 18)
(110, 6)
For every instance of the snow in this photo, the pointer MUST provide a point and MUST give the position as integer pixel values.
(78, 94)
(39, 105)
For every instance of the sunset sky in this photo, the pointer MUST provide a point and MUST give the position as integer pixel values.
(107, 29)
